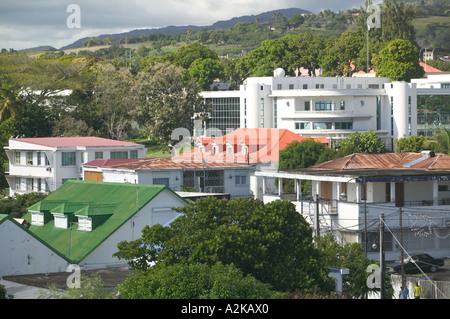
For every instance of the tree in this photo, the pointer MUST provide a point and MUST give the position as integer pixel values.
(358, 142)
(204, 72)
(415, 144)
(349, 256)
(113, 94)
(397, 20)
(165, 101)
(194, 281)
(440, 142)
(398, 60)
(302, 154)
(271, 242)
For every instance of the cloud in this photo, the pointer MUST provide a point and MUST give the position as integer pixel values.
(28, 23)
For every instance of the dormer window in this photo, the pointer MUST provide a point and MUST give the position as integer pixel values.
(61, 220)
(37, 219)
(84, 223)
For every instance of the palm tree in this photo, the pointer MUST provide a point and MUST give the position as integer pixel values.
(440, 142)
(9, 101)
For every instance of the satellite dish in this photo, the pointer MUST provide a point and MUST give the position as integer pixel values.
(279, 73)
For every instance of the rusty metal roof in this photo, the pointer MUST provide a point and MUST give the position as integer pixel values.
(411, 161)
(160, 164)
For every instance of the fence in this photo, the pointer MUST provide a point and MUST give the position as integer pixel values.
(431, 289)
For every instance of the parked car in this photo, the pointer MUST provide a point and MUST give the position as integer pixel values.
(415, 263)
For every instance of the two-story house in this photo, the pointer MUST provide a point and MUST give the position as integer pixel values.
(44, 164)
(412, 190)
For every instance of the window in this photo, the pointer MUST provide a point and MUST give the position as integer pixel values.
(18, 183)
(305, 86)
(323, 106)
(29, 158)
(303, 125)
(29, 185)
(161, 181)
(307, 105)
(39, 160)
(342, 105)
(39, 184)
(68, 158)
(240, 180)
(17, 159)
(98, 155)
(279, 86)
(119, 155)
(323, 125)
(85, 223)
(134, 154)
(291, 86)
(343, 125)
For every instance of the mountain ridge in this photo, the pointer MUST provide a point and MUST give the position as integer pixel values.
(173, 30)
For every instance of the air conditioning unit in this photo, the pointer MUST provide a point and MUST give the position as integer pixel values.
(48, 169)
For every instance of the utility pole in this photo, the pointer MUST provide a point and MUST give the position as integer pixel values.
(402, 257)
(382, 266)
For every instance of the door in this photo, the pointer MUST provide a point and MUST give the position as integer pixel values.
(93, 176)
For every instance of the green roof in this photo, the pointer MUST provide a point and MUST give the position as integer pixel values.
(115, 202)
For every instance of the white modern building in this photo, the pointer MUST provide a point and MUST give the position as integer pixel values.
(44, 164)
(332, 107)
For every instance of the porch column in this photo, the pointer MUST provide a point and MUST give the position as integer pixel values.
(435, 193)
(280, 187)
(298, 183)
(264, 185)
(392, 192)
(358, 192)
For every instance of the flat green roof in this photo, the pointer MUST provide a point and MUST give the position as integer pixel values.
(119, 201)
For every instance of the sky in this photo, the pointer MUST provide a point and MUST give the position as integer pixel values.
(31, 23)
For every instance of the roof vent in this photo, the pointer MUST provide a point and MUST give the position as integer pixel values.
(428, 154)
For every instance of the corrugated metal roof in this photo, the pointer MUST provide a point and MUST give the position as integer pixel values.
(388, 161)
(161, 164)
(86, 141)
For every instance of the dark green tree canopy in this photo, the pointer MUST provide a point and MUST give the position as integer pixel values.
(271, 242)
(398, 60)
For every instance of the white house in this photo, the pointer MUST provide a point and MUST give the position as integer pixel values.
(44, 164)
(81, 223)
(354, 190)
(206, 177)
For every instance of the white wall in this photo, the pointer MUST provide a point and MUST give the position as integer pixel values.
(158, 211)
(21, 253)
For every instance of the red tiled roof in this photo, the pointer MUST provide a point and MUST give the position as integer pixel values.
(157, 164)
(429, 69)
(263, 145)
(88, 141)
(387, 161)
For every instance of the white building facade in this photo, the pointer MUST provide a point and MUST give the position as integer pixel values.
(332, 107)
(44, 164)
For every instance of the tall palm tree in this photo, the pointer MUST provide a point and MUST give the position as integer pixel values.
(9, 101)
(440, 142)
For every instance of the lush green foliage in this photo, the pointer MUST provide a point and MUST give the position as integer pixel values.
(398, 61)
(271, 242)
(414, 144)
(91, 287)
(352, 257)
(17, 206)
(194, 281)
(357, 142)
